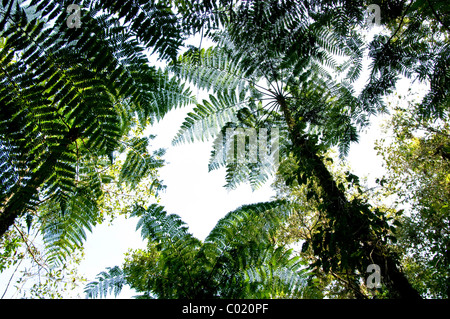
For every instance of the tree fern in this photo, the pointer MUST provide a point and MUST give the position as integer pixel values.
(330, 109)
(70, 98)
(238, 259)
(65, 223)
(319, 111)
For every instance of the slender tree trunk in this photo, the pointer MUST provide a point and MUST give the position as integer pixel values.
(19, 201)
(338, 207)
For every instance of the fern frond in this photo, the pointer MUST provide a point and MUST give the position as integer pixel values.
(211, 70)
(153, 23)
(206, 120)
(254, 161)
(157, 226)
(178, 247)
(110, 281)
(70, 94)
(65, 221)
(248, 223)
(276, 273)
(243, 258)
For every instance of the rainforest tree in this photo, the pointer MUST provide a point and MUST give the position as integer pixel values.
(290, 47)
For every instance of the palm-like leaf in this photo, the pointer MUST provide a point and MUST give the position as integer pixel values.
(210, 69)
(206, 118)
(65, 223)
(109, 281)
(285, 282)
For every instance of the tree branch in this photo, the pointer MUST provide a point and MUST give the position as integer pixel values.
(29, 248)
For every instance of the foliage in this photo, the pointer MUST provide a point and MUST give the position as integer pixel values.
(238, 259)
(416, 48)
(261, 44)
(28, 271)
(75, 103)
(417, 166)
(320, 117)
(302, 226)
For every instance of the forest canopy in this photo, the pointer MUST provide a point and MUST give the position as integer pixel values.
(288, 85)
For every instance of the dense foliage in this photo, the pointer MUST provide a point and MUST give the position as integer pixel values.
(75, 103)
(417, 166)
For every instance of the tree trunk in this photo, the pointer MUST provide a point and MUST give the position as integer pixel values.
(338, 207)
